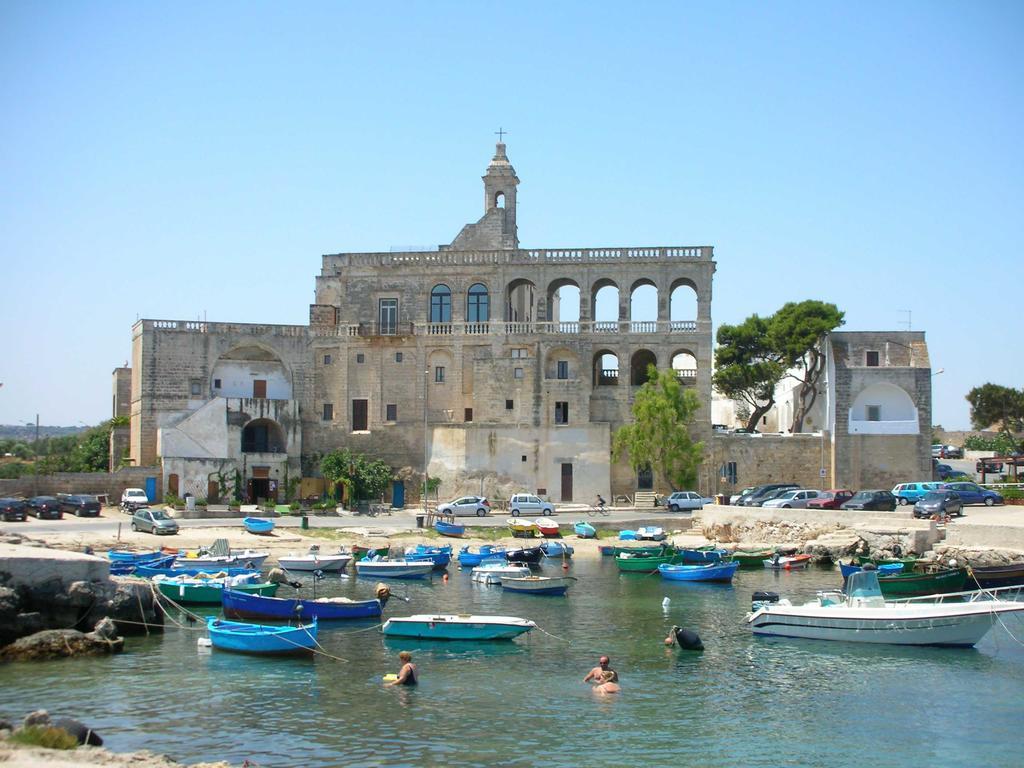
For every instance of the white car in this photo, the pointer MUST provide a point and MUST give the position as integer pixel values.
(684, 500)
(528, 504)
(467, 505)
(792, 499)
(134, 498)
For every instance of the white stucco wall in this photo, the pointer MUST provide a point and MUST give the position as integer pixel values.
(236, 377)
(897, 414)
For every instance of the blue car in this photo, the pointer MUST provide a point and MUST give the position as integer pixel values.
(911, 493)
(972, 493)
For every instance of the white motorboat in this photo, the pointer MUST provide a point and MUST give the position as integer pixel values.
(315, 561)
(538, 585)
(462, 626)
(492, 573)
(650, 533)
(394, 569)
(862, 615)
(245, 558)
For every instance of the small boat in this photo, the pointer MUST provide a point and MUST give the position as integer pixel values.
(129, 568)
(779, 562)
(607, 550)
(449, 529)
(525, 555)
(124, 556)
(493, 573)
(752, 558)
(650, 533)
(661, 549)
(258, 525)
(245, 558)
(627, 535)
(538, 585)
(393, 569)
(438, 556)
(863, 615)
(585, 530)
(260, 638)
(523, 528)
(315, 561)
(556, 549)
(243, 605)
(703, 555)
(888, 569)
(463, 626)
(641, 564)
(721, 572)
(150, 571)
(358, 552)
(909, 563)
(990, 576)
(485, 553)
(195, 591)
(547, 526)
(900, 584)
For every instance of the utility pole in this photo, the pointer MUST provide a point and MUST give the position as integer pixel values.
(426, 454)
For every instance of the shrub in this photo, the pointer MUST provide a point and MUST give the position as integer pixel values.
(172, 500)
(1012, 493)
(294, 506)
(44, 736)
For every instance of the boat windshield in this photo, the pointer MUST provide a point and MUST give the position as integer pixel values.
(863, 584)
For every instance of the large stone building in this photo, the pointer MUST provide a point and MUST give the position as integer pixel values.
(500, 368)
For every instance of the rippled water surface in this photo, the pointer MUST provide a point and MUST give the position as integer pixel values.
(743, 701)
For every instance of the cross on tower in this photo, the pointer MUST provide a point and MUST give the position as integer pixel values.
(500, 133)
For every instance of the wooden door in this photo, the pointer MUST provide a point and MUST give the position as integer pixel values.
(567, 482)
(259, 387)
(359, 411)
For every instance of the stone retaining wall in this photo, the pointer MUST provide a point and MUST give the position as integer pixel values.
(95, 483)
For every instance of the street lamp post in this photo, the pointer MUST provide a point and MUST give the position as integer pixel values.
(426, 451)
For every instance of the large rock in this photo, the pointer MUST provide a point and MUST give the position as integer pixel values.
(58, 644)
(837, 546)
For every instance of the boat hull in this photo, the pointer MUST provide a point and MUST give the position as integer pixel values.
(258, 525)
(310, 563)
(585, 530)
(714, 572)
(486, 553)
(242, 605)
(557, 550)
(917, 584)
(448, 627)
(209, 594)
(528, 555)
(752, 559)
(449, 529)
(259, 639)
(996, 576)
(486, 575)
(644, 564)
(794, 563)
(394, 570)
(358, 552)
(537, 585)
(216, 563)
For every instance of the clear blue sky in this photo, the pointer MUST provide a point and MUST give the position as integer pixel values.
(180, 159)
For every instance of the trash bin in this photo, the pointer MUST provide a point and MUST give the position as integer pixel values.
(190, 502)
(304, 525)
(721, 499)
(420, 520)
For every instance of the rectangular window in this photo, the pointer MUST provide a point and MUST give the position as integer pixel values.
(510, 404)
(563, 369)
(518, 353)
(874, 412)
(328, 411)
(730, 472)
(391, 412)
(561, 413)
(398, 357)
(468, 415)
(439, 374)
(359, 411)
(517, 373)
(327, 359)
(360, 358)
(216, 383)
(195, 387)
(388, 317)
(871, 359)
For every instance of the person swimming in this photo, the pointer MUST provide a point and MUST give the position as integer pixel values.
(605, 679)
(407, 675)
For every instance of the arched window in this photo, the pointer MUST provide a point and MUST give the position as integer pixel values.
(441, 304)
(478, 304)
(499, 200)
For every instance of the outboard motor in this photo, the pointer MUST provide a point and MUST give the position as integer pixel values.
(762, 599)
(688, 640)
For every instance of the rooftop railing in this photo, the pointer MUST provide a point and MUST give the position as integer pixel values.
(511, 328)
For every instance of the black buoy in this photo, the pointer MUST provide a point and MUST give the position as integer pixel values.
(687, 639)
(83, 733)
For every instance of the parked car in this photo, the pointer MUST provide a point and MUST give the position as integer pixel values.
(952, 452)
(761, 493)
(12, 510)
(527, 504)
(991, 467)
(684, 500)
(943, 471)
(941, 502)
(133, 498)
(44, 507)
(467, 505)
(154, 521)
(770, 496)
(937, 450)
(873, 500)
(79, 504)
(831, 499)
(972, 493)
(909, 493)
(735, 498)
(792, 499)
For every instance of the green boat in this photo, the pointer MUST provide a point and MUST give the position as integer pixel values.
(908, 563)
(914, 584)
(358, 552)
(209, 594)
(641, 564)
(751, 558)
(642, 551)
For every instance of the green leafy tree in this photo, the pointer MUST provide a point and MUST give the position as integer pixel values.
(748, 366)
(797, 332)
(364, 478)
(659, 436)
(995, 404)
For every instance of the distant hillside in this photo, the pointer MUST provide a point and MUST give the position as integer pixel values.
(22, 432)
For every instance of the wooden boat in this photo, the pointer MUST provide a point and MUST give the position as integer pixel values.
(493, 573)
(935, 583)
(990, 576)
(449, 529)
(150, 571)
(246, 558)
(779, 562)
(650, 533)
(190, 591)
(752, 558)
(863, 615)
(129, 568)
(703, 555)
(261, 638)
(547, 527)
(438, 556)
(486, 553)
(358, 552)
(525, 555)
(908, 563)
(124, 556)
(721, 572)
(258, 525)
(661, 549)
(244, 605)
(538, 585)
(556, 549)
(640, 564)
(585, 530)
(314, 560)
(523, 528)
(393, 569)
(463, 626)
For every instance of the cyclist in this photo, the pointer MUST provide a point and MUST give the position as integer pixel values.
(600, 502)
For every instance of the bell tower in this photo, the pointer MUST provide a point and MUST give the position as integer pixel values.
(500, 184)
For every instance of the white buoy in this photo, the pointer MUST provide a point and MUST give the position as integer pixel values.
(665, 602)
(204, 642)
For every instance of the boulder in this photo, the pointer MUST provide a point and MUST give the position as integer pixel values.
(38, 717)
(59, 643)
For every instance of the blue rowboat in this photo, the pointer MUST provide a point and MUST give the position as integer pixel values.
(449, 529)
(585, 530)
(258, 525)
(627, 535)
(149, 571)
(438, 556)
(448, 626)
(556, 549)
(706, 572)
(261, 638)
(486, 553)
(692, 556)
(242, 605)
(122, 556)
(607, 550)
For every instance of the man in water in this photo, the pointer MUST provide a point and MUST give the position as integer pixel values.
(407, 675)
(606, 679)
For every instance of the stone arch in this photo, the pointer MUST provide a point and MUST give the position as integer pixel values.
(520, 301)
(643, 306)
(683, 304)
(638, 363)
(499, 199)
(552, 358)
(604, 305)
(606, 368)
(563, 297)
(263, 436)
(478, 303)
(440, 304)
(883, 408)
(239, 368)
(684, 363)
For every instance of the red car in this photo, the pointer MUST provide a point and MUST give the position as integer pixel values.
(832, 499)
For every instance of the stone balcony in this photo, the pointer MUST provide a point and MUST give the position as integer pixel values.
(513, 328)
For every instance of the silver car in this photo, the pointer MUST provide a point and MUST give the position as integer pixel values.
(467, 505)
(792, 499)
(684, 500)
(528, 504)
(154, 521)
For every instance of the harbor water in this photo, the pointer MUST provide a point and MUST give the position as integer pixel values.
(743, 701)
